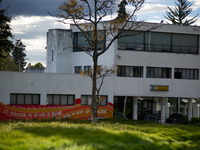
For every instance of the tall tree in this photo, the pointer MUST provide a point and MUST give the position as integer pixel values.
(18, 54)
(5, 32)
(96, 32)
(178, 16)
(122, 9)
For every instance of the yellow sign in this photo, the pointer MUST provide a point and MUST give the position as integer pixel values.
(159, 88)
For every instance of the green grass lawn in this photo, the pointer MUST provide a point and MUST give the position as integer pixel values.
(105, 135)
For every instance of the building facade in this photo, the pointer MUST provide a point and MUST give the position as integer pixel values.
(158, 71)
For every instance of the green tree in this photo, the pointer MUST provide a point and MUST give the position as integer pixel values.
(38, 65)
(7, 63)
(5, 33)
(122, 9)
(93, 12)
(18, 54)
(178, 16)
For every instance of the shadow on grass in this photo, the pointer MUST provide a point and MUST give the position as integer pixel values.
(92, 137)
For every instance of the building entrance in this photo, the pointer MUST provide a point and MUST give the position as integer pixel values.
(145, 107)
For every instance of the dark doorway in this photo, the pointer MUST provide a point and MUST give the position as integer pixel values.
(119, 102)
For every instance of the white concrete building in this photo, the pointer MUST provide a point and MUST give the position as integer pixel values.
(157, 71)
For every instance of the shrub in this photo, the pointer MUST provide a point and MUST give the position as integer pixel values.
(195, 120)
(184, 120)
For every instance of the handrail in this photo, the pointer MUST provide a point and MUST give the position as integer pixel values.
(159, 118)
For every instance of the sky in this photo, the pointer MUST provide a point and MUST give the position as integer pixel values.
(31, 21)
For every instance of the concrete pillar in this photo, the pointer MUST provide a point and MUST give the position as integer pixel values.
(163, 105)
(134, 108)
(189, 109)
(166, 107)
(179, 105)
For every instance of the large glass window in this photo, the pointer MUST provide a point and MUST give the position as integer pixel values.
(156, 72)
(81, 41)
(87, 100)
(56, 99)
(25, 99)
(132, 40)
(159, 42)
(186, 44)
(129, 71)
(180, 73)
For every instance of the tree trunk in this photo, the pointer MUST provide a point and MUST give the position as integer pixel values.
(94, 106)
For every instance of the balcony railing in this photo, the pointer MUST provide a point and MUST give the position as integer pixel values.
(157, 48)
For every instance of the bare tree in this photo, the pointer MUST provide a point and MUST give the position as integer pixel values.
(88, 17)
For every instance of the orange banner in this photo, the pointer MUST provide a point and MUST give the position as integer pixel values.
(73, 112)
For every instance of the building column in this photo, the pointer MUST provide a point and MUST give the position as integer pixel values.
(179, 105)
(166, 107)
(163, 105)
(189, 109)
(134, 108)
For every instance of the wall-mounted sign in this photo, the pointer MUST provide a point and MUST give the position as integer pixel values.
(159, 88)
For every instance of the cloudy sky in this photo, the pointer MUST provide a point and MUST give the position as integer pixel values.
(31, 21)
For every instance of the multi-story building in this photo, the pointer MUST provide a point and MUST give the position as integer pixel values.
(158, 72)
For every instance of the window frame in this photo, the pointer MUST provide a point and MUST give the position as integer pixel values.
(87, 69)
(86, 104)
(156, 72)
(182, 73)
(77, 46)
(130, 71)
(75, 69)
(24, 99)
(60, 95)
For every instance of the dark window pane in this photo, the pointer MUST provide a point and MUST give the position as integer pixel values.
(13, 99)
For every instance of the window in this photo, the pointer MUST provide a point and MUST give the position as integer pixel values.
(159, 42)
(87, 100)
(81, 41)
(129, 71)
(25, 99)
(52, 56)
(78, 69)
(55, 99)
(186, 44)
(180, 73)
(87, 69)
(156, 72)
(132, 40)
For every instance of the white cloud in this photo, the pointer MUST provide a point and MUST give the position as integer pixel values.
(32, 31)
(149, 8)
(157, 17)
(195, 2)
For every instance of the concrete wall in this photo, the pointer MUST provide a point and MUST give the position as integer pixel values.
(48, 83)
(59, 45)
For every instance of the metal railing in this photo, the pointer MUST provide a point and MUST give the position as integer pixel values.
(157, 48)
(158, 118)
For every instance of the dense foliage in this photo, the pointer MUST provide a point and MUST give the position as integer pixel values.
(5, 33)
(18, 54)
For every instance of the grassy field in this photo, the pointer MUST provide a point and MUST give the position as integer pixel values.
(106, 135)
